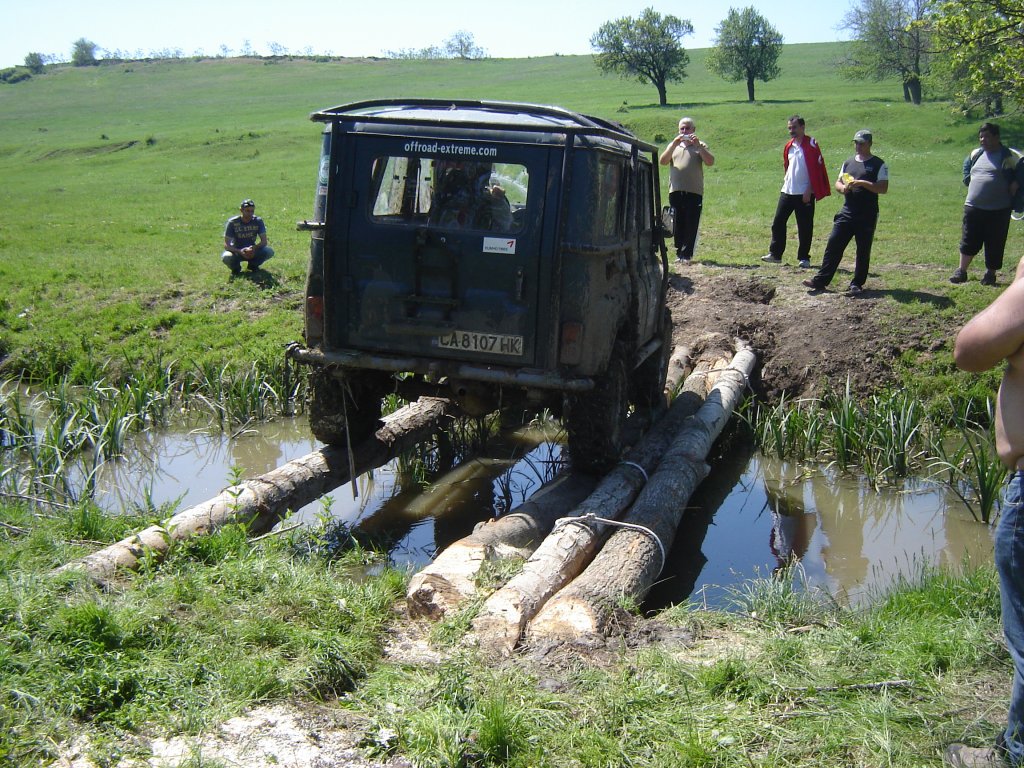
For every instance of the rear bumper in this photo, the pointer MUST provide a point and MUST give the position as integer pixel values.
(515, 377)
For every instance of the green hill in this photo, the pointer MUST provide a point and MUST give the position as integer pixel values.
(118, 179)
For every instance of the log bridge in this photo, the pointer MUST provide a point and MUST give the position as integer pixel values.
(586, 543)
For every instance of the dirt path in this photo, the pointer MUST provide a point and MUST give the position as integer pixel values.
(806, 342)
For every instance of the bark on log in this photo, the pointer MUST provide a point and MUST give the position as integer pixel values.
(500, 624)
(631, 559)
(262, 501)
(450, 579)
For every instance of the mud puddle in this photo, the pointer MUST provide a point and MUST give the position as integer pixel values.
(749, 518)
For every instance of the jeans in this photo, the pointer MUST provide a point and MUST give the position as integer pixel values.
(787, 206)
(1009, 556)
(234, 261)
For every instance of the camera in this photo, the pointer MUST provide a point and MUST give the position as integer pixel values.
(686, 136)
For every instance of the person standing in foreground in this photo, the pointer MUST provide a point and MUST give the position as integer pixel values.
(993, 335)
(805, 181)
(687, 155)
(993, 174)
(241, 234)
(861, 180)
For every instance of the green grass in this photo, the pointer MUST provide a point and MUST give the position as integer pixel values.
(788, 679)
(117, 183)
(223, 625)
(118, 180)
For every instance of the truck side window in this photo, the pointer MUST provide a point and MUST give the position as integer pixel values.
(450, 194)
(609, 198)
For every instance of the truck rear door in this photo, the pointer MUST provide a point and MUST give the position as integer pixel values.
(437, 247)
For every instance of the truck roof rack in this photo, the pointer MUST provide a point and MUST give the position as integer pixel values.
(476, 113)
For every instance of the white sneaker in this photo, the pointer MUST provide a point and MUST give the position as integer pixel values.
(771, 259)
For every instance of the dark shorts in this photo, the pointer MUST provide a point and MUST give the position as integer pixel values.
(988, 230)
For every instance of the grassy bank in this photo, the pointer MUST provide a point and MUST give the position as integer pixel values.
(786, 679)
(118, 180)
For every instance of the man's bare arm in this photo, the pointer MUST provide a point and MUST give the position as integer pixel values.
(994, 334)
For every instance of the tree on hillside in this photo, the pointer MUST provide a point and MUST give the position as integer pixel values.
(983, 42)
(892, 38)
(461, 45)
(83, 53)
(34, 62)
(646, 48)
(747, 48)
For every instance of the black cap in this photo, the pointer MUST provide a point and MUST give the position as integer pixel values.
(247, 203)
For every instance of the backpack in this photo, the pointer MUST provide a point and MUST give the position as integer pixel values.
(1013, 168)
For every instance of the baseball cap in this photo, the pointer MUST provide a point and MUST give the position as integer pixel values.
(247, 203)
(862, 136)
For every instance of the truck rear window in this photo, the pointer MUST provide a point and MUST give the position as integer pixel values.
(450, 194)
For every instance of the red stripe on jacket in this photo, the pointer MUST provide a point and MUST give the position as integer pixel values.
(815, 166)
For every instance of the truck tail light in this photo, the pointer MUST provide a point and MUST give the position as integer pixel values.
(314, 319)
(572, 341)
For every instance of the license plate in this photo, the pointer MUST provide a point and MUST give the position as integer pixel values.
(490, 343)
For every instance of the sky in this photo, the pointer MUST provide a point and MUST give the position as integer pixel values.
(512, 29)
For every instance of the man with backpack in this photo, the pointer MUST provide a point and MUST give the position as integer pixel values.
(994, 175)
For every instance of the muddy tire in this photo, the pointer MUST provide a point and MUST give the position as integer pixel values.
(597, 418)
(328, 405)
(647, 388)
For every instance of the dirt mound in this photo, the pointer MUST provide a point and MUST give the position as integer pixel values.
(807, 343)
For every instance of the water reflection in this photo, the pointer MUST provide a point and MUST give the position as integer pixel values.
(850, 538)
(750, 517)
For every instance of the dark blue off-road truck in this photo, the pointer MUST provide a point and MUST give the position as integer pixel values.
(498, 254)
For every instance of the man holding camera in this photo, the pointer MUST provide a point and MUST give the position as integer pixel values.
(687, 155)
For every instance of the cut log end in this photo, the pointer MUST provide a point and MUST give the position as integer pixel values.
(448, 582)
(568, 621)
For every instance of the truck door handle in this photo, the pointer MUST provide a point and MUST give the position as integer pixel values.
(519, 284)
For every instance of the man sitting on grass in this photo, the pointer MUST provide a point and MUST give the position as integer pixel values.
(240, 240)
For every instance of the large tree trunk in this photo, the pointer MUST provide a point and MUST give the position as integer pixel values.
(259, 503)
(500, 623)
(632, 559)
(750, 89)
(662, 92)
(914, 89)
(451, 579)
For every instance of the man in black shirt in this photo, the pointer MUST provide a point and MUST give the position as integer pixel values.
(862, 179)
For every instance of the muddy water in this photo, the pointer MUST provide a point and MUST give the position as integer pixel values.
(746, 520)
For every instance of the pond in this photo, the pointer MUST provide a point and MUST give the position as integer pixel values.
(745, 521)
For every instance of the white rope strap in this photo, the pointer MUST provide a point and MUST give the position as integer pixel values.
(636, 466)
(591, 517)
